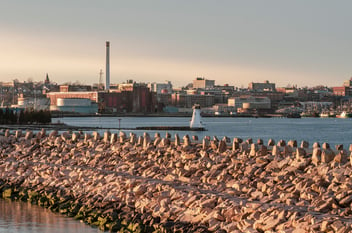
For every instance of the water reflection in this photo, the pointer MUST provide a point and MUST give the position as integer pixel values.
(23, 217)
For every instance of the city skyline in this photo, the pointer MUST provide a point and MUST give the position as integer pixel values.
(296, 43)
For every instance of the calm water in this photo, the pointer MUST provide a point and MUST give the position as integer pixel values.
(331, 130)
(21, 217)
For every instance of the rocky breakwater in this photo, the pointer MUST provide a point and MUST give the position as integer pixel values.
(140, 184)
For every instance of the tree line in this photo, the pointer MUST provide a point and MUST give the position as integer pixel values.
(9, 116)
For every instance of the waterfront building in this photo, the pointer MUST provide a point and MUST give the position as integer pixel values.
(160, 88)
(75, 105)
(75, 88)
(348, 83)
(202, 83)
(188, 100)
(223, 109)
(131, 97)
(69, 101)
(342, 91)
(266, 86)
(32, 102)
(163, 92)
(249, 103)
(345, 90)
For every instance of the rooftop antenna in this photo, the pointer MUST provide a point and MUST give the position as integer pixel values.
(100, 79)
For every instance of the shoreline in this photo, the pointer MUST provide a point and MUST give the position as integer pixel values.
(146, 184)
(60, 115)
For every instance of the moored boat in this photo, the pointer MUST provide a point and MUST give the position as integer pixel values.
(293, 115)
(344, 114)
(324, 115)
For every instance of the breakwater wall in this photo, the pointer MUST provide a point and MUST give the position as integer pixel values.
(144, 184)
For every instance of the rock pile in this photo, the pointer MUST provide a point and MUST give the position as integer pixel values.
(146, 184)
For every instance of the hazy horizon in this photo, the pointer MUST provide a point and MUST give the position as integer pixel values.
(232, 42)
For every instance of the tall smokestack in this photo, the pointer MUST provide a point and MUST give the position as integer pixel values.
(107, 72)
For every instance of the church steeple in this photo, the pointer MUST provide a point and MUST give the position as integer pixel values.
(47, 81)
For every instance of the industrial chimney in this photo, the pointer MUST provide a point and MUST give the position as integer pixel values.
(107, 72)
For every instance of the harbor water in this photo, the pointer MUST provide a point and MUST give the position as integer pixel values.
(331, 130)
(21, 217)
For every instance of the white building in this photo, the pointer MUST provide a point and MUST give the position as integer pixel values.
(202, 83)
(161, 88)
(249, 103)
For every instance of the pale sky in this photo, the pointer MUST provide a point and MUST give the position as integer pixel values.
(301, 42)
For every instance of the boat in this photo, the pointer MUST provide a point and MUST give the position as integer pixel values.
(293, 115)
(344, 114)
(327, 114)
(309, 114)
(324, 115)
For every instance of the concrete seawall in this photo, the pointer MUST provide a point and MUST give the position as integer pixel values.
(144, 184)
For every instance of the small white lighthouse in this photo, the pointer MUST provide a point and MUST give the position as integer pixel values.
(196, 122)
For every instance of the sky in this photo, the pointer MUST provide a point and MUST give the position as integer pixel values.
(303, 43)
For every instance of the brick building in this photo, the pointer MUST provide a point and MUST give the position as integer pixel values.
(188, 100)
(129, 98)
